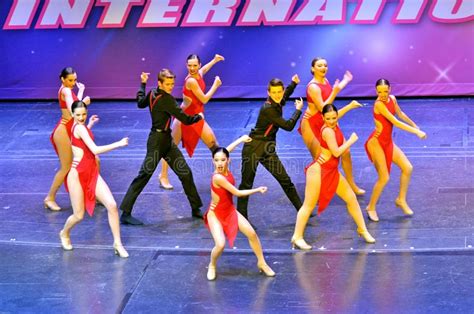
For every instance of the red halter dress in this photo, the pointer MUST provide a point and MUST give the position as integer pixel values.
(384, 137)
(316, 121)
(190, 134)
(225, 211)
(87, 170)
(329, 172)
(67, 123)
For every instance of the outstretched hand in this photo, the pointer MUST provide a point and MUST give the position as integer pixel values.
(144, 77)
(262, 189)
(86, 100)
(93, 119)
(347, 78)
(245, 139)
(355, 104)
(123, 142)
(421, 135)
(353, 138)
(217, 81)
(80, 86)
(295, 78)
(218, 58)
(299, 104)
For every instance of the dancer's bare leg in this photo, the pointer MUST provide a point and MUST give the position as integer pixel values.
(246, 228)
(378, 158)
(63, 145)
(401, 160)
(219, 243)
(104, 195)
(309, 139)
(312, 189)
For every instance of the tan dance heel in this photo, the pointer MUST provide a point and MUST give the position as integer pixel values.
(211, 273)
(404, 206)
(266, 270)
(65, 241)
(300, 244)
(120, 250)
(367, 236)
(372, 215)
(165, 186)
(51, 205)
(358, 191)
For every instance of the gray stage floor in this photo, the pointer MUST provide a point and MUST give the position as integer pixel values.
(419, 264)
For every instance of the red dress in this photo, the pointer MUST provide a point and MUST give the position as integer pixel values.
(316, 121)
(67, 123)
(225, 211)
(329, 172)
(87, 170)
(190, 134)
(385, 136)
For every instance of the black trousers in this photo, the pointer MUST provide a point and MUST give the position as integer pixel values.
(161, 145)
(264, 152)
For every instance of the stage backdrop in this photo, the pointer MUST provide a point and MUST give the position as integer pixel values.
(422, 47)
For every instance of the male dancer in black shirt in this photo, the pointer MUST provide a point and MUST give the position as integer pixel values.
(262, 147)
(160, 145)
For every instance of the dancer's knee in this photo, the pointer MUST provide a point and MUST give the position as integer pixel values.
(383, 179)
(351, 199)
(408, 169)
(111, 206)
(219, 246)
(78, 216)
(252, 236)
(64, 169)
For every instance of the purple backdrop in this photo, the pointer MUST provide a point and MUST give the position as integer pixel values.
(422, 47)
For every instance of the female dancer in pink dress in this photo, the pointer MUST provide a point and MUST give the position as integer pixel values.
(85, 184)
(319, 93)
(323, 180)
(61, 135)
(222, 219)
(194, 99)
(382, 151)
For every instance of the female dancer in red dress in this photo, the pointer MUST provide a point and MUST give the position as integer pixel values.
(85, 184)
(319, 93)
(194, 100)
(61, 135)
(222, 219)
(382, 151)
(323, 180)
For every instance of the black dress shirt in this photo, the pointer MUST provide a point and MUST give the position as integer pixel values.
(162, 107)
(270, 117)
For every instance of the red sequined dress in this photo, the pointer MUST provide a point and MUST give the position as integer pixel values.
(316, 121)
(87, 171)
(225, 210)
(67, 123)
(384, 137)
(190, 134)
(329, 172)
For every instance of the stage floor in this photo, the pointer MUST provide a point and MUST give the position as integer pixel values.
(419, 264)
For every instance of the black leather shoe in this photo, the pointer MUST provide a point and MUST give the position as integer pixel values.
(197, 213)
(128, 219)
